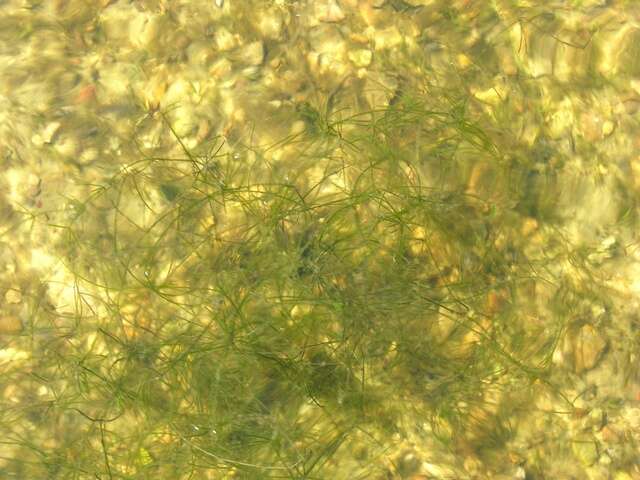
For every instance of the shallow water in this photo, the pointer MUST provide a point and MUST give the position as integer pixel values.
(314, 239)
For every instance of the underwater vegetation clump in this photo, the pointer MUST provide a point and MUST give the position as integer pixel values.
(261, 316)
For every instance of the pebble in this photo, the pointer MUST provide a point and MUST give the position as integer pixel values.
(439, 471)
(610, 435)
(387, 38)
(116, 78)
(622, 476)
(529, 225)
(631, 417)
(589, 346)
(225, 40)
(86, 94)
(372, 16)
(495, 94)
(586, 451)
(10, 325)
(67, 146)
(185, 121)
(252, 53)
(220, 69)
(361, 57)
(13, 295)
(271, 24)
(116, 23)
(49, 134)
(154, 90)
(607, 128)
(591, 126)
(329, 12)
(88, 156)
(561, 121)
(145, 30)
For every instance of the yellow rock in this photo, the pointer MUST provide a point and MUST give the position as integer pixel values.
(329, 11)
(529, 226)
(463, 60)
(154, 90)
(586, 451)
(495, 94)
(68, 147)
(607, 128)
(387, 38)
(361, 57)
(271, 24)
(562, 119)
(252, 53)
(13, 295)
(225, 40)
(588, 347)
(623, 476)
(145, 29)
(417, 242)
(10, 325)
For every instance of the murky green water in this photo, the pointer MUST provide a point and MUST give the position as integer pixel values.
(319, 239)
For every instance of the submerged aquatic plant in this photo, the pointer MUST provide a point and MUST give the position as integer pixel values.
(229, 317)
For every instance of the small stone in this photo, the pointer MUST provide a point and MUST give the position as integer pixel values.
(330, 12)
(220, 69)
(609, 435)
(178, 92)
(200, 53)
(50, 132)
(591, 127)
(472, 465)
(562, 120)
(586, 451)
(597, 419)
(529, 225)
(371, 15)
(593, 421)
(13, 295)
(67, 147)
(361, 57)
(607, 128)
(622, 476)
(10, 325)
(204, 129)
(86, 94)
(225, 40)
(463, 60)
(589, 347)
(387, 38)
(88, 156)
(149, 32)
(631, 417)
(630, 106)
(116, 78)
(271, 24)
(297, 127)
(605, 460)
(495, 94)
(253, 53)
(37, 140)
(154, 90)
(439, 471)
(11, 355)
(185, 121)
(408, 464)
